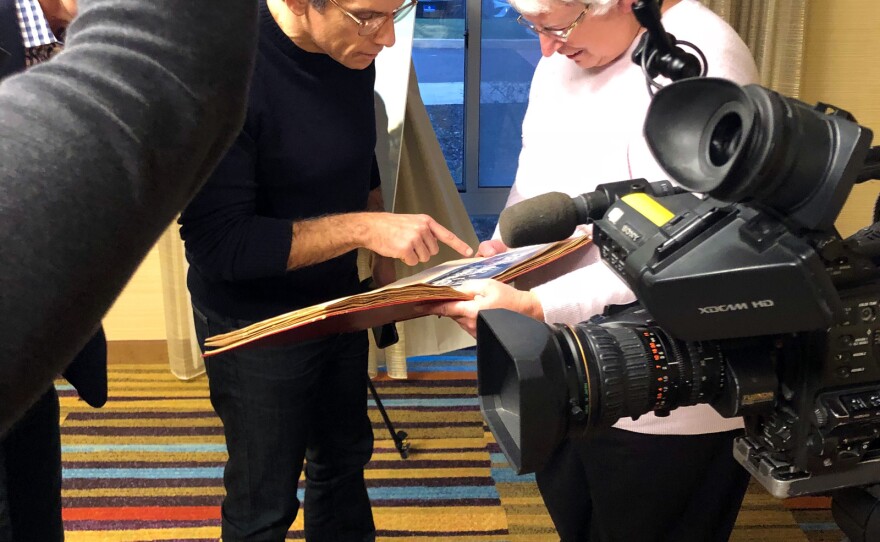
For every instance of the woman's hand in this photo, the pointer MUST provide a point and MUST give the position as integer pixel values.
(487, 294)
(491, 248)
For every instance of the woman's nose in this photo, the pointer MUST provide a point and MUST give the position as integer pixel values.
(549, 45)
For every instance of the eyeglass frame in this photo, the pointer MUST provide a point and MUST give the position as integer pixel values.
(364, 30)
(562, 34)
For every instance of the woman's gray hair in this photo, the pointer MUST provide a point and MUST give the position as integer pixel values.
(534, 7)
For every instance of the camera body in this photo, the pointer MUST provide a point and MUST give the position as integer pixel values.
(753, 276)
(750, 300)
(796, 315)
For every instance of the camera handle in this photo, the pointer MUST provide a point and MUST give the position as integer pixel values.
(658, 52)
(871, 169)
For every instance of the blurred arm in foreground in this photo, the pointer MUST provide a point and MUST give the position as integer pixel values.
(99, 149)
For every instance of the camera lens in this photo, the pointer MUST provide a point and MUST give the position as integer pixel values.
(634, 369)
(725, 139)
(539, 384)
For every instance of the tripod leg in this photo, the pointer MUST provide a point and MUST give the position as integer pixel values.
(399, 437)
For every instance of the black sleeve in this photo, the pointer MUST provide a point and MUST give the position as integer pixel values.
(225, 237)
(99, 149)
(375, 177)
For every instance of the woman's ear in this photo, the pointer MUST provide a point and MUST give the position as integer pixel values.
(625, 6)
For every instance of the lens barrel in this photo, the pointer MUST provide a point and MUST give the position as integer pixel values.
(539, 384)
(632, 370)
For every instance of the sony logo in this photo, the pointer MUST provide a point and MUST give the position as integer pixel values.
(760, 304)
(627, 230)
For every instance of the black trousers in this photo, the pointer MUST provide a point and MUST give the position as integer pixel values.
(281, 405)
(30, 475)
(617, 485)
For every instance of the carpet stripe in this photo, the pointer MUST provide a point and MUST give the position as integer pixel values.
(132, 533)
(217, 430)
(171, 448)
(134, 474)
(425, 400)
(158, 458)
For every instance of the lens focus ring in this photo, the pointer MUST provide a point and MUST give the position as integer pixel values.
(638, 371)
(606, 356)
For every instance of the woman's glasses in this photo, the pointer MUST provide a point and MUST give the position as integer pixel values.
(560, 34)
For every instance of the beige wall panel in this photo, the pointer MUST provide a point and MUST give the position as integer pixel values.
(842, 67)
(139, 313)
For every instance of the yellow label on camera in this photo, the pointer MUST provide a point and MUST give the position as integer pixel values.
(648, 207)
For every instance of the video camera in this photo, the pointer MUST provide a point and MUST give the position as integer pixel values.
(750, 300)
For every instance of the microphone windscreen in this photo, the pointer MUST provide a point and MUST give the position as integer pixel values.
(546, 218)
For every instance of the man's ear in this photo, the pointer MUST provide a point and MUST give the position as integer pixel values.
(298, 7)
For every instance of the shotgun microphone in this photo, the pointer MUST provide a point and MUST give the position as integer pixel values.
(554, 216)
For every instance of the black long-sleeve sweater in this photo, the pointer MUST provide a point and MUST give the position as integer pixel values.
(306, 150)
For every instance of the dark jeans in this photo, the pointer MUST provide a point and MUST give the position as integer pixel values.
(30, 475)
(280, 405)
(617, 485)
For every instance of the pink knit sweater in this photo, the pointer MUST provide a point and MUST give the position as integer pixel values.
(583, 128)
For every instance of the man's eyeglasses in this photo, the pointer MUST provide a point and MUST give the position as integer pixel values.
(371, 25)
(560, 34)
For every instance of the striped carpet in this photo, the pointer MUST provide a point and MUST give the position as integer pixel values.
(148, 466)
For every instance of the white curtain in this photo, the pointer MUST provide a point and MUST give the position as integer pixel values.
(774, 32)
(183, 350)
(424, 185)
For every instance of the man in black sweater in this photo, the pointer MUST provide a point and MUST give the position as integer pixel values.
(275, 229)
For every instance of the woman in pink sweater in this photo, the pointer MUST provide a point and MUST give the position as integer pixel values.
(659, 478)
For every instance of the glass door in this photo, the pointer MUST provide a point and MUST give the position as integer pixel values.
(474, 64)
(509, 53)
(439, 59)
